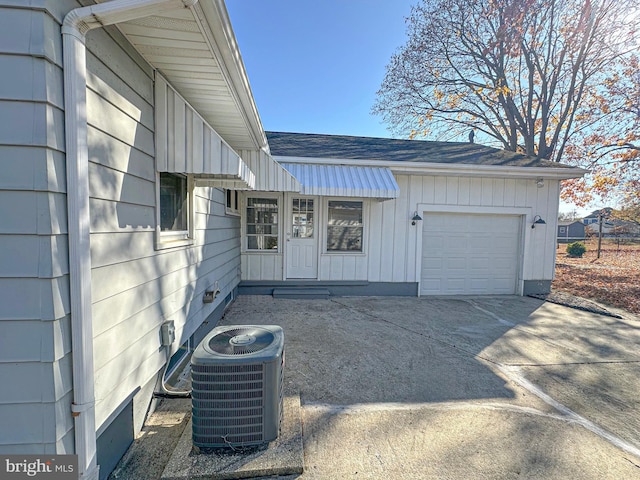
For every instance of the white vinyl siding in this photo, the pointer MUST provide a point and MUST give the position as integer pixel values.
(134, 286)
(35, 336)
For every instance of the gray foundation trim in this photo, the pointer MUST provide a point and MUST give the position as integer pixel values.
(536, 287)
(115, 440)
(335, 288)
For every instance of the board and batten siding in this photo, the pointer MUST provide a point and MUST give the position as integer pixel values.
(392, 244)
(394, 253)
(135, 287)
(35, 327)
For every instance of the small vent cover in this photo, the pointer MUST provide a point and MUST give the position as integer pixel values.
(237, 380)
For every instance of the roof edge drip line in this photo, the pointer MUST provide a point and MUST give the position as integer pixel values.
(77, 23)
(434, 168)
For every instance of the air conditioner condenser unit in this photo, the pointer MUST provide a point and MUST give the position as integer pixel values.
(237, 381)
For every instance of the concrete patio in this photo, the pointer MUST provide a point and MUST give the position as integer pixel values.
(440, 387)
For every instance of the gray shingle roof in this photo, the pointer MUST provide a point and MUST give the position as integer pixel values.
(369, 148)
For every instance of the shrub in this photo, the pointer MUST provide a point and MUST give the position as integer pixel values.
(576, 249)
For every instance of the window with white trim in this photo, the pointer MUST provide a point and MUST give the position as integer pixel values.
(262, 224)
(233, 202)
(345, 226)
(175, 215)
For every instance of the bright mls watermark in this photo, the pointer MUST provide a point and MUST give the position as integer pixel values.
(51, 467)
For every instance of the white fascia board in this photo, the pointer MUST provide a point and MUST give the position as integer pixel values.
(443, 169)
(215, 25)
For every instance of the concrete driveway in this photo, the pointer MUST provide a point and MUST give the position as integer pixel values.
(458, 387)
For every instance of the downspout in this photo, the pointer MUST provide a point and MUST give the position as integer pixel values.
(74, 29)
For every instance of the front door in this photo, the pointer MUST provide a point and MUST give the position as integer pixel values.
(302, 238)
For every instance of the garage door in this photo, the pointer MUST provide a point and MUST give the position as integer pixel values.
(469, 254)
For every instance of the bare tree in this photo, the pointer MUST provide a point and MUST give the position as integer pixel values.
(526, 75)
(610, 142)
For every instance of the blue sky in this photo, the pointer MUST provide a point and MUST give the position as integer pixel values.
(315, 66)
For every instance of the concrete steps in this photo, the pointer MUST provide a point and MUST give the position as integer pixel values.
(301, 293)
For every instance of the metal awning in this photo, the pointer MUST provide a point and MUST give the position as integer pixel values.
(186, 143)
(344, 180)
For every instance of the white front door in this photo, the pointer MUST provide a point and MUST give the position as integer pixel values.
(302, 237)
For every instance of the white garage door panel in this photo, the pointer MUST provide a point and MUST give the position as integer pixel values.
(469, 254)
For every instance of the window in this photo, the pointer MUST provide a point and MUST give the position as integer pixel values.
(173, 202)
(233, 202)
(262, 224)
(174, 217)
(302, 221)
(344, 226)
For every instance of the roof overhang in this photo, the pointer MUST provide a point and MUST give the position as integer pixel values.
(345, 180)
(196, 51)
(445, 169)
(194, 48)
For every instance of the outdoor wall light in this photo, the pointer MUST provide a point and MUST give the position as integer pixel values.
(537, 221)
(540, 182)
(416, 218)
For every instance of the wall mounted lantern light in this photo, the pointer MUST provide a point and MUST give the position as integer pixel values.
(537, 221)
(540, 182)
(415, 218)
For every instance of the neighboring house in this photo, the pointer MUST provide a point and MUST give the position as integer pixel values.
(136, 177)
(611, 226)
(573, 231)
(592, 221)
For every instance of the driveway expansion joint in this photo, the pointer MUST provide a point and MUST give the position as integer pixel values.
(515, 375)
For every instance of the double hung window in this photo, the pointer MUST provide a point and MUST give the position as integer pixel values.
(262, 224)
(344, 226)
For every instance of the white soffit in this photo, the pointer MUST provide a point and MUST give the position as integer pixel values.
(195, 50)
(345, 180)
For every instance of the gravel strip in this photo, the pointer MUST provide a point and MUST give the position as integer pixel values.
(572, 301)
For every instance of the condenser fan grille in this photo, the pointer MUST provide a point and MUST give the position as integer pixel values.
(241, 341)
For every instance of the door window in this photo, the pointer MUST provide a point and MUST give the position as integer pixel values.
(303, 218)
